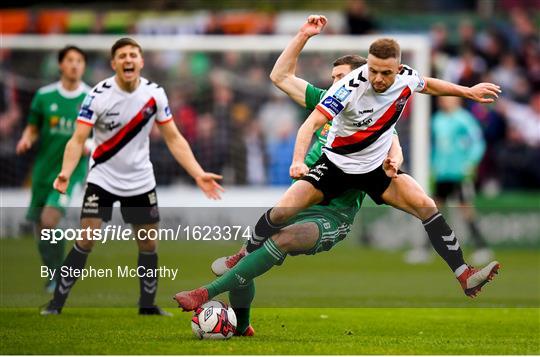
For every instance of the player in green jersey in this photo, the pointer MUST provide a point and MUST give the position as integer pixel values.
(314, 230)
(51, 119)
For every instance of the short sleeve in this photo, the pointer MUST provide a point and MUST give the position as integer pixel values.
(340, 94)
(89, 110)
(416, 82)
(163, 114)
(313, 96)
(35, 117)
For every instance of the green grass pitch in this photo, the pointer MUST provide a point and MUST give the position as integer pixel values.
(351, 300)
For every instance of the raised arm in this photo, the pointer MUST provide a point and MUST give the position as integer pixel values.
(315, 120)
(181, 151)
(72, 154)
(283, 74)
(482, 92)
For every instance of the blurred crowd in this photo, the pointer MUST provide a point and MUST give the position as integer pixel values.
(507, 54)
(240, 126)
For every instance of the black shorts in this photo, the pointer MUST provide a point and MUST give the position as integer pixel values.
(139, 209)
(332, 181)
(453, 189)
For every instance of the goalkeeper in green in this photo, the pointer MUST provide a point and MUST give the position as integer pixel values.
(51, 120)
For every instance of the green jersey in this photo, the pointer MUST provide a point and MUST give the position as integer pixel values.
(54, 111)
(348, 204)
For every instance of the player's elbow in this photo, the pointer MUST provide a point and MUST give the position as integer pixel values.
(276, 78)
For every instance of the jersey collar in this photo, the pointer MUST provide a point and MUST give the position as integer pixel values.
(70, 94)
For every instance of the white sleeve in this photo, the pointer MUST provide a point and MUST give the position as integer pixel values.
(163, 114)
(340, 94)
(89, 112)
(415, 81)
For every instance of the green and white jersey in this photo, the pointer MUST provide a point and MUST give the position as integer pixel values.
(54, 111)
(347, 205)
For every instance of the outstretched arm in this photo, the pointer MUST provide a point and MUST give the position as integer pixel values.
(180, 149)
(482, 92)
(72, 154)
(315, 120)
(283, 74)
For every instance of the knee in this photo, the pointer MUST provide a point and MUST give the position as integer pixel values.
(49, 221)
(147, 245)
(284, 241)
(280, 215)
(426, 207)
(85, 244)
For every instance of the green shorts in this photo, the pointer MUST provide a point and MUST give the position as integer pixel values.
(333, 227)
(47, 196)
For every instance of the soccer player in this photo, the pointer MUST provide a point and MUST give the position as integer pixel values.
(51, 120)
(320, 227)
(364, 105)
(121, 111)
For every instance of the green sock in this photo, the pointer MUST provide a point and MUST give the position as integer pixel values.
(240, 299)
(248, 268)
(52, 255)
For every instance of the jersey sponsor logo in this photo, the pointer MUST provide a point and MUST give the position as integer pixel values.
(88, 101)
(86, 113)
(333, 105)
(342, 94)
(365, 111)
(111, 125)
(112, 114)
(364, 122)
(325, 130)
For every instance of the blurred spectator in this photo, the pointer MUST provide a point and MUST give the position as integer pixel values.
(358, 19)
(277, 114)
(465, 70)
(256, 159)
(206, 148)
(280, 151)
(520, 156)
(13, 168)
(440, 42)
(507, 73)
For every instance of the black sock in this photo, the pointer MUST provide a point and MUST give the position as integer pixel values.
(148, 286)
(444, 241)
(76, 259)
(477, 237)
(264, 229)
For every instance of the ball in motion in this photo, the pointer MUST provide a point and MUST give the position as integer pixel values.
(214, 320)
